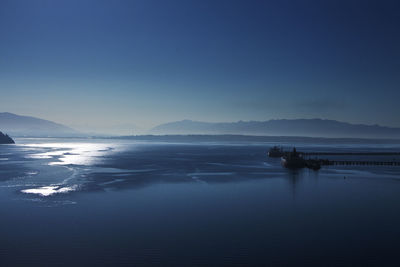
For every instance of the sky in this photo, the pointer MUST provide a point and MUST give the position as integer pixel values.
(113, 65)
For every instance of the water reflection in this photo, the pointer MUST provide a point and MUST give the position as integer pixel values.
(293, 177)
(71, 153)
(59, 168)
(49, 190)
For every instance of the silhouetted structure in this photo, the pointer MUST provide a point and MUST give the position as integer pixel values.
(5, 139)
(276, 152)
(293, 160)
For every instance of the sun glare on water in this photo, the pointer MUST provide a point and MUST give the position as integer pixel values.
(49, 190)
(70, 155)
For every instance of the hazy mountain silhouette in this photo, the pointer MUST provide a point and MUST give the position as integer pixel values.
(296, 127)
(5, 139)
(16, 125)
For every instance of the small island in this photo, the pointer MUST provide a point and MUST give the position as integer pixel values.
(5, 139)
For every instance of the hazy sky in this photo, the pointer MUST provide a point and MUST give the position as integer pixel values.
(113, 64)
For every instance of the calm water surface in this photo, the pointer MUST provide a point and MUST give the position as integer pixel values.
(107, 202)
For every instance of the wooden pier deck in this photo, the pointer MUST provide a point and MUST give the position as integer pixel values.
(316, 163)
(359, 162)
(353, 162)
(350, 153)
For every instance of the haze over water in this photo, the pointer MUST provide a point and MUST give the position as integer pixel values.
(116, 202)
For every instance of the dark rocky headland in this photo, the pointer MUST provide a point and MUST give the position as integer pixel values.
(5, 139)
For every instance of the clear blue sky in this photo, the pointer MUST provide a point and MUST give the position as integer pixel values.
(95, 64)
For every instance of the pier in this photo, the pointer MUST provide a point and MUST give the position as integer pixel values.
(350, 153)
(352, 162)
(297, 159)
(359, 162)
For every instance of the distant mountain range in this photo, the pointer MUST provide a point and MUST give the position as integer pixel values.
(16, 125)
(296, 127)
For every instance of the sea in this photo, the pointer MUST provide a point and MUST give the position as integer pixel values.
(122, 202)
